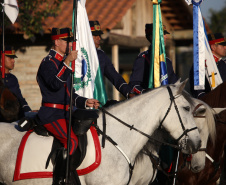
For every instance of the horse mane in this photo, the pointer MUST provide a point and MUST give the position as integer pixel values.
(210, 122)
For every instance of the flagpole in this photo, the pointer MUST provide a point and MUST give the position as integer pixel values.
(3, 41)
(71, 93)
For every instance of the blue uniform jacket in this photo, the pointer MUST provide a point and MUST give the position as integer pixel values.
(108, 70)
(139, 78)
(11, 82)
(221, 65)
(54, 79)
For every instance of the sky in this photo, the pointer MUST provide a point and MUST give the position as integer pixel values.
(211, 4)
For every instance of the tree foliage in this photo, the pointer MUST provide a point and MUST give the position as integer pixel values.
(217, 20)
(32, 14)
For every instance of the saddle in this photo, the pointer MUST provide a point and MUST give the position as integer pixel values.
(82, 120)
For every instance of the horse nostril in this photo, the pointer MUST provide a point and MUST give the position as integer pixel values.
(196, 168)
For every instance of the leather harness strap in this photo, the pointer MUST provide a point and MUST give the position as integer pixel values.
(56, 106)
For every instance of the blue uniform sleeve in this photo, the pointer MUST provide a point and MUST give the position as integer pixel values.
(138, 75)
(12, 83)
(80, 102)
(112, 75)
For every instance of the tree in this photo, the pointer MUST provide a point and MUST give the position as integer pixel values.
(32, 14)
(217, 20)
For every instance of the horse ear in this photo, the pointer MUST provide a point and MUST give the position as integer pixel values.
(178, 81)
(181, 86)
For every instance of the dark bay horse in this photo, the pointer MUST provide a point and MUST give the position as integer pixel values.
(212, 171)
(9, 105)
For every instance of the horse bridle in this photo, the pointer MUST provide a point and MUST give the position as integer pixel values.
(172, 98)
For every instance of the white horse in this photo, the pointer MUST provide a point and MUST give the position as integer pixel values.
(204, 119)
(144, 113)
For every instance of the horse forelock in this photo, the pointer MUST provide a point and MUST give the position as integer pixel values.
(211, 123)
(188, 97)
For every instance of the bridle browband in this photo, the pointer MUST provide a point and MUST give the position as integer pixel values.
(195, 109)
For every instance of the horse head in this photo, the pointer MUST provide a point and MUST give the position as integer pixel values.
(204, 119)
(178, 120)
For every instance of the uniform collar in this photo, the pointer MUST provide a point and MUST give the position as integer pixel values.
(216, 58)
(56, 55)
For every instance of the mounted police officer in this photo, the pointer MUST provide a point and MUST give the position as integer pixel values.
(55, 83)
(106, 66)
(217, 44)
(139, 81)
(11, 81)
(139, 78)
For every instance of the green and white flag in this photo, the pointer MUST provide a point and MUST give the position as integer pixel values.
(88, 80)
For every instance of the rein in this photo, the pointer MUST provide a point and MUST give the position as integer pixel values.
(131, 127)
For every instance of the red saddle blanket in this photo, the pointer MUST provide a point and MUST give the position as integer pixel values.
(35, 149)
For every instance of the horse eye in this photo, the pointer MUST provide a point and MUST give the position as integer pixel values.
(187, 108)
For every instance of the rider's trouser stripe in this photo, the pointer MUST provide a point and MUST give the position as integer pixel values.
(59, 130)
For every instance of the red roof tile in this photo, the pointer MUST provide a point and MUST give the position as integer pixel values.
(108, 13)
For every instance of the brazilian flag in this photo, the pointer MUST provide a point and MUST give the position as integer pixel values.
(158, 69)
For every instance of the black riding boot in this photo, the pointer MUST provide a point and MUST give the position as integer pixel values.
(59, 170)
(73, 178)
